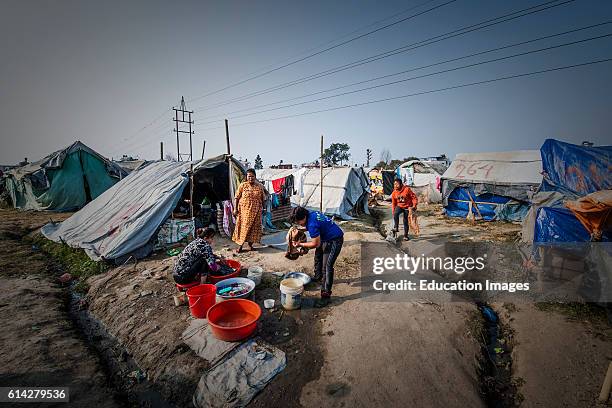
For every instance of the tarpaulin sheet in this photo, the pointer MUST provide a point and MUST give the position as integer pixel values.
(505, 175)
(515, 167)
(575, 170)
(62, 181)
(345, 189)
(593, 211)
(556, 224)
(128, 215)
(491, 206)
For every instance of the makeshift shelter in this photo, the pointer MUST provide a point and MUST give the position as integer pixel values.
(574, 201)
(62, 181)
(345, 189)
(126, 219)
(422, 178)
(494, 186)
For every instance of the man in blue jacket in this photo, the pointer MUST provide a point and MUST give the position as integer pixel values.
(327, 237)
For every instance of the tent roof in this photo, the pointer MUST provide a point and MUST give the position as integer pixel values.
(56, 159)
(510, 168)
(125, 217)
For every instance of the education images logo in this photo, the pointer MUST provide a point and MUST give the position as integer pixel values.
(457, 265)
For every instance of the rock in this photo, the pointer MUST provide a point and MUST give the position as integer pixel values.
(146, 293)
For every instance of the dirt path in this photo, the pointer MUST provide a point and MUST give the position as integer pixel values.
(353, 353)
(40, 345)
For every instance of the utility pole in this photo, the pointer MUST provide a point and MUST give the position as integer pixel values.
(368, 157)
(177, 129)
(161, 150)
(203, 148)
(227, 141)
(321, 166)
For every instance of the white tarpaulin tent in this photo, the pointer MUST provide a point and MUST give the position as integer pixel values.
(345, 189)
(125, 218)
(421, 178)
(497, 184)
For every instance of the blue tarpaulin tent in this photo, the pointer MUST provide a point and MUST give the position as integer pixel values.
(570, 172)
(494, 185)
(575, 171)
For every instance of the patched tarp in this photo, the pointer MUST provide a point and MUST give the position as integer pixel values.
(554, 225)
(126, 217)
(345, 189)
(575, 170)
(62, 181)
(502, 181)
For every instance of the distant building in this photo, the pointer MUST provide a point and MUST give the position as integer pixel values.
(282, 166)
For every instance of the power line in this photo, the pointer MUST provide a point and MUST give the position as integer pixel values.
(324, 50)
(423, 43)
(409, 70)
(329, 42)
(426, 75)
(424, 92)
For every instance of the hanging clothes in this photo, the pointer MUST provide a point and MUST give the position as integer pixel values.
(277, 185)
(228, 217)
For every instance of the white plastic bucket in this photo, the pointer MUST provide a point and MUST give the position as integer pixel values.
(291, 293)
(255, 274)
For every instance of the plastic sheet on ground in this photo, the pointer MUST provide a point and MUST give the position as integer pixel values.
(200, 339)
(236, 380)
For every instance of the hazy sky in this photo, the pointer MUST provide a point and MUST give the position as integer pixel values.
(100, 71)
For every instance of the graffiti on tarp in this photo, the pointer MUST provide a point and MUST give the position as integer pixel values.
(483, 169)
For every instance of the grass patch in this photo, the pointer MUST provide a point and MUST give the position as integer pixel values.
(73, 260)
(576, 311)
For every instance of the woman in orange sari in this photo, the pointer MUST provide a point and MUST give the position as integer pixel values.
(249, 205)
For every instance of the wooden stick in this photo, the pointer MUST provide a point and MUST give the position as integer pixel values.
(321, 165)
(607, 384)
(474, 202)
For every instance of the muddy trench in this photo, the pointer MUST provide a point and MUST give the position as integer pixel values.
(126, 381)
(495, 337)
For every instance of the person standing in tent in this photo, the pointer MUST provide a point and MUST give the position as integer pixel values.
(327, 237)
(403, 200)
(249, 206)
(196, 259)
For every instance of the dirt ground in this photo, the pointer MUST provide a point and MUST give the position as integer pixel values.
(40, 344)
(353, 353)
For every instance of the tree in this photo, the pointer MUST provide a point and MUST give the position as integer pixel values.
(385, 156)
(368, 157)
(336, 153)
(258, 163)
(169, 157)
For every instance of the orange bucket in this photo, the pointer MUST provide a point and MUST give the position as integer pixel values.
(201, 298)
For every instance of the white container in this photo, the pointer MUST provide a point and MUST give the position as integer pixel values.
(269, 303)
(291, 293)
(255, 274)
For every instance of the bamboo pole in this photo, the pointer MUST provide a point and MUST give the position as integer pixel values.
(321, 166)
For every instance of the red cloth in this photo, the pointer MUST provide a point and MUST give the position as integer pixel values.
(277, 185)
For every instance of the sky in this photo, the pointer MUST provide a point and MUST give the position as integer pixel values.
(108, 73)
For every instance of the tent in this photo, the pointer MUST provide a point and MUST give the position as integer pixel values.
(62, 181)
(126, 218)
(422, 178)
(496, 186)
(345, 189)
(574, 200)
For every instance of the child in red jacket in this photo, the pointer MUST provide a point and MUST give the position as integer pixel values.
(403, 200)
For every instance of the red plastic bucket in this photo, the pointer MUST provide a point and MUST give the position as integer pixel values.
(201, 298)
(235, 265)
(234, 319)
